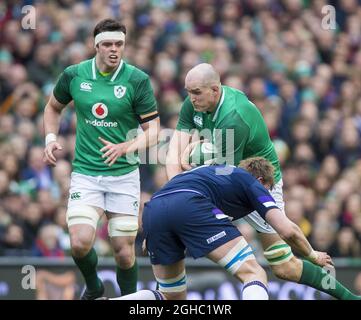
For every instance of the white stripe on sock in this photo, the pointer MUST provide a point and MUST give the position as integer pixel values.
(140, 295)
(254, 292)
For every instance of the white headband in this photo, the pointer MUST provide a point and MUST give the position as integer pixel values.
(109, 35)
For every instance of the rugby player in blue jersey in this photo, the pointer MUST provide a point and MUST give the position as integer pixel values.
(193, 212)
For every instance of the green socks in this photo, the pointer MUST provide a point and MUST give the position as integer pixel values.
(316, 277)
(87, 266)
(127, 279)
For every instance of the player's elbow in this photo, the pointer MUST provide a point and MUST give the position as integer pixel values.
(280, 222)
(49, 108)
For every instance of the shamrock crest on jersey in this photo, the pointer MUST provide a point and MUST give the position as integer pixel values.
(119, 91)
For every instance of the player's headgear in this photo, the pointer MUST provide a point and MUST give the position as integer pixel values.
(109, 29)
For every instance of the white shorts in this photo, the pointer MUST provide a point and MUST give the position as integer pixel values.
(119, 194)
(256, 221)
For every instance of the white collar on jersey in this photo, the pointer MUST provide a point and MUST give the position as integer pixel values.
(219, 105)
(94, 70)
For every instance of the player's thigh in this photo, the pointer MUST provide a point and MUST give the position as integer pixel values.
(122, 208)
(202, 226)
(123, 193)
(163, 243)
(85, 207)
(82, 223)
(237, 257)
(85, 190)
(268, 239)
(220, 252)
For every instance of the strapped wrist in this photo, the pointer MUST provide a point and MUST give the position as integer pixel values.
(50, 137)
(312, 256)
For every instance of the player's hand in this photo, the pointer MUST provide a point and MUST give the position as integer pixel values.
(49, 150)
(186, 154)
(112, 151)
(323, 259)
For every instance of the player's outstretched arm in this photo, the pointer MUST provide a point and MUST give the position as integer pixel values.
(52, 116)
(293, 235)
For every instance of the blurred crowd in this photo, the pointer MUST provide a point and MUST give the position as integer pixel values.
(304, 78)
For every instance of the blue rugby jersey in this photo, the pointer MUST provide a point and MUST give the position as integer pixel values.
(236, 194)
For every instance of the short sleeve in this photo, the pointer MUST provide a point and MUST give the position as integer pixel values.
(61, 90)
(145, 104)
(260, 198)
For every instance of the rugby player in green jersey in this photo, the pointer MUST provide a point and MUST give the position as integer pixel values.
(227, 118)
(111, 100)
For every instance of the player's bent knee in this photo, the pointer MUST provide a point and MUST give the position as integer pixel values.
(79, 248)
(173, 288)
(82, 214)
(282, 261)
(237, 256)
(290, 270)
(278, 253)
(125, 259)
(123, 226)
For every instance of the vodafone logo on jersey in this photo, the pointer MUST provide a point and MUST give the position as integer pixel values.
(100, 110)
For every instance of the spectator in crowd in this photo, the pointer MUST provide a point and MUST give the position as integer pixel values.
(47, 243)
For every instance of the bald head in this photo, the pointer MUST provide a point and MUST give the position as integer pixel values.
(203, 75)
(204, 87)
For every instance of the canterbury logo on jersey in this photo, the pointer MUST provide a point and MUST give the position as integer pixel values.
(86, 86)
(75, 196)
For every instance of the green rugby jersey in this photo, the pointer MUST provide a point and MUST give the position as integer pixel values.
(248, 129)
(106, 106)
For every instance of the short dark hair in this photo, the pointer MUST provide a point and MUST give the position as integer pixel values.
(109, 25)
(259, 168)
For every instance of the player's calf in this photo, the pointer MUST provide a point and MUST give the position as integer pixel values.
(290, 270)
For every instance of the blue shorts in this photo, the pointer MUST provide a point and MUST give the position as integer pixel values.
(184, 220)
